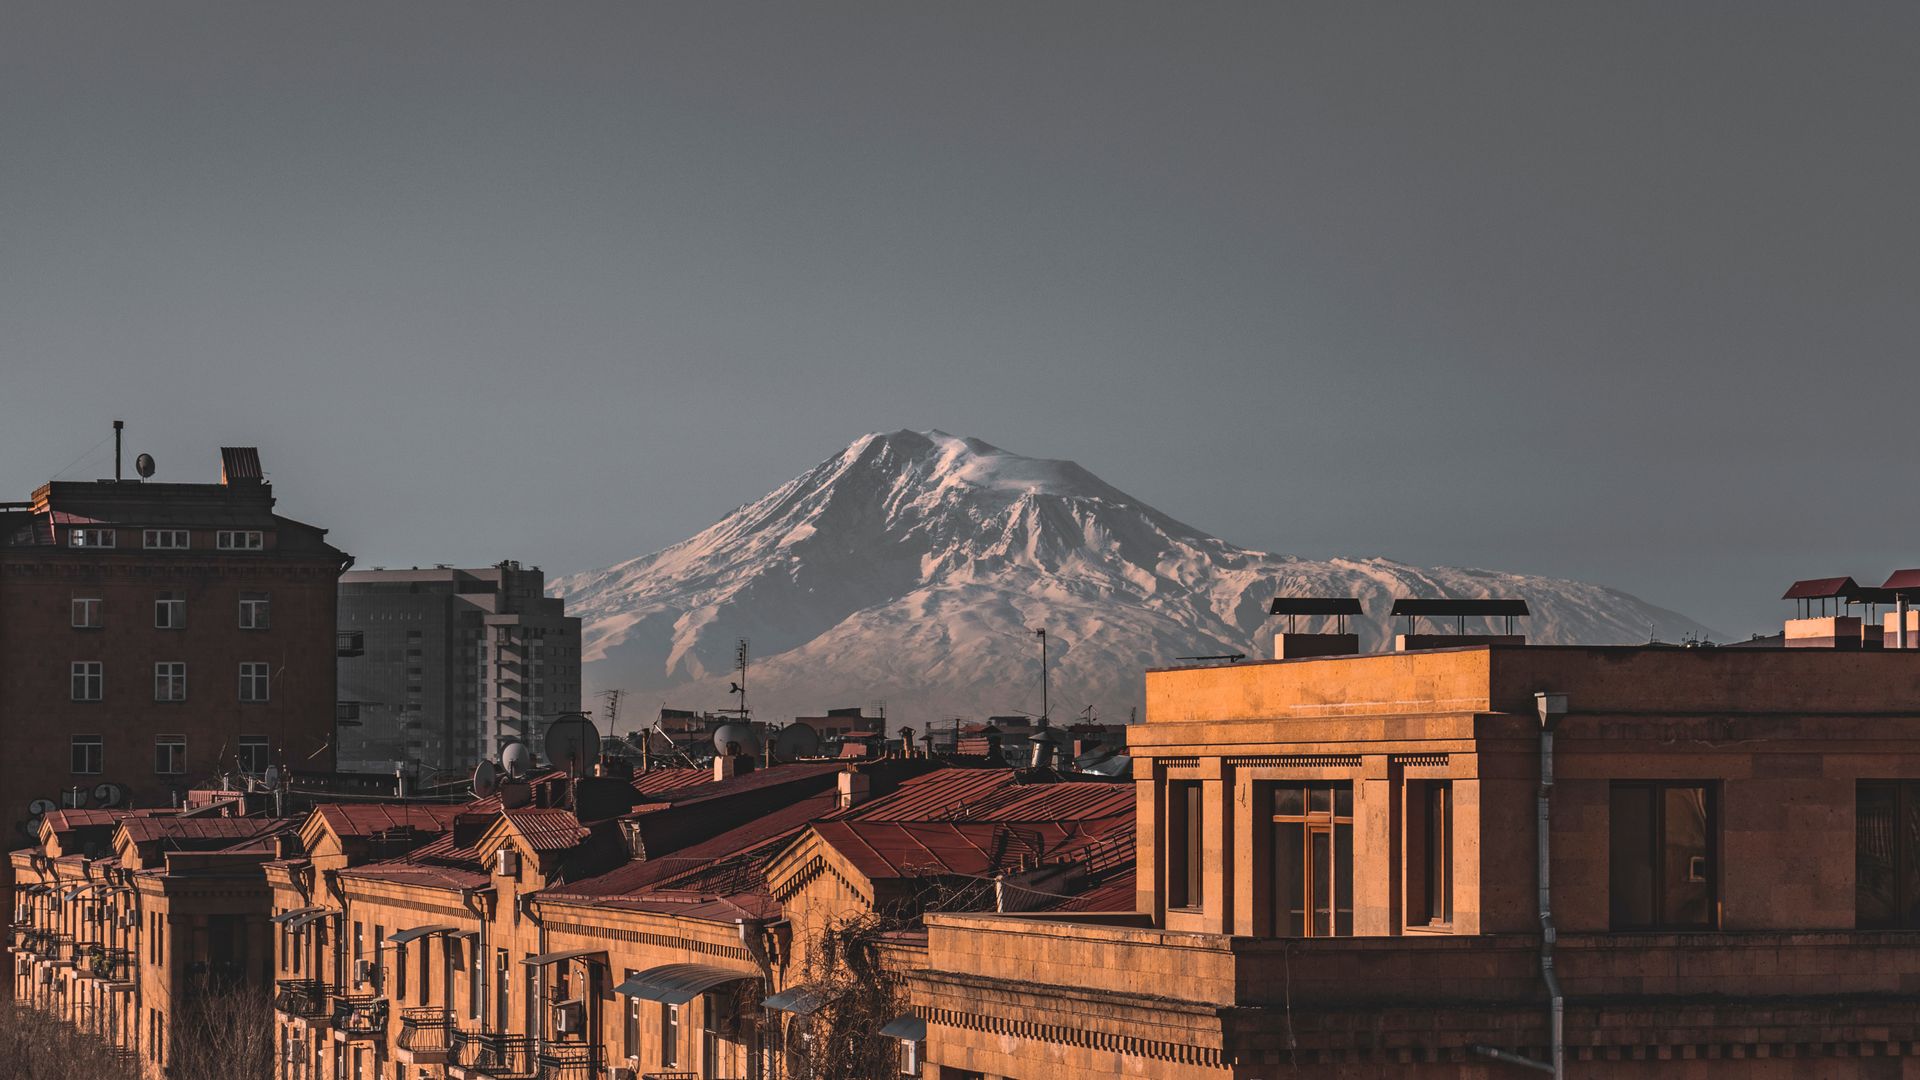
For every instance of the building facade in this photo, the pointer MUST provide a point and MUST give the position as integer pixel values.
(444, 666)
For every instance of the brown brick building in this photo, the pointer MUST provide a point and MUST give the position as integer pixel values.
(153, 635)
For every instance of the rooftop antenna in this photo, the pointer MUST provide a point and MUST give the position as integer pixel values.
(1041, 633)
(613, 710)
(117, 425)
(740, 687)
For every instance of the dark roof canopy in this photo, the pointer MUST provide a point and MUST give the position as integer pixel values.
(401, 937)
(677, 984)
(1821, 588)
(802, 1000)
(289, 916)
(598, 956)
(1315, 605)
(1425, 606)
(1903, 581)
(911, 1028)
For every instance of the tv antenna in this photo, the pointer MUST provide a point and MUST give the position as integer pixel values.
(739, 686)
(1041, 633)
(612, 697)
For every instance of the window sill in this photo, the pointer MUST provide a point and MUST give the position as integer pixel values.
(1428, 928)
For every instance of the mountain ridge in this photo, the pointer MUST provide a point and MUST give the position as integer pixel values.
(911, 566)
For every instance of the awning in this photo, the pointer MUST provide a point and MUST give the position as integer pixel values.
(289, 916)
(677, 984)
(803, 1000)
(73, 892)
(598, 956)
(314, 916)
(910, 1028)
(401, 937)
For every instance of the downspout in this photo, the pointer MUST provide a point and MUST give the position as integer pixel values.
(1552, 707)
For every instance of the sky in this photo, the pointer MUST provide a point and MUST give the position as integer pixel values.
(1618, 292)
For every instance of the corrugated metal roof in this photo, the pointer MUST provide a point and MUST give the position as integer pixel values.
(1903, 581)
(1824, 588)
(240, 463)
(143, 830)
(359, 820)
(546, 828)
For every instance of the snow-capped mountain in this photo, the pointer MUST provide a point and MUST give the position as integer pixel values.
(911, 568)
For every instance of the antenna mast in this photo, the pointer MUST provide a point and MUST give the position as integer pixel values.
(739, 687)
(613, 710)
(117, 425)
(1042, 635)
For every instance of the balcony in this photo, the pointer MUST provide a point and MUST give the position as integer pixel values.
(360, 1017)
(59, 950)
(491, 1055)
(113, 965)
(302, 999)
(425, 1036)
(570, 1061)
(37, 942)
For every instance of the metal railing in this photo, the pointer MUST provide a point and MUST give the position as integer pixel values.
(570, 1060)
(59, 947)
(304, 998)
(427, 1032)
(364, 1015)
(494, 1054)
(115, 965)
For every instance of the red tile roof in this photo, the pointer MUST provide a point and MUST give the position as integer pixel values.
(546, 829)
(884, 850)
(143, 830)
(358, 820)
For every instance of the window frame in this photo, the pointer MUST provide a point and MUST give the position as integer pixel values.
(1656, 838)
(670, 1022)
(256, 672)
(1186, 879)
(166, 539)
(83, 741)
(255, 610)
(240, 540)
(175, 605)
(169, 685)
(176, 747)
(242, 758)
(1905, 898)
(1312, 823)
(1429, 836)
(85, 612)
(93, 536)
(96, 680)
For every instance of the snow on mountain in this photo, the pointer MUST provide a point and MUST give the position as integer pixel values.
(911, 567)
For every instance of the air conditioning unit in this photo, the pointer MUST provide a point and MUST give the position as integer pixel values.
(129, 919)
(507, 862)
(621, 1072)
(366, 971)
(570, 1018)
(46, 976)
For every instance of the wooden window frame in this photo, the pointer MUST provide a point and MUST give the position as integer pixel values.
(1655, 839)
(1311, 823)
(1186, 834)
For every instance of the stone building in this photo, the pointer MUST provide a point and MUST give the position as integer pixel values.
(443, 666)
(1342, 871)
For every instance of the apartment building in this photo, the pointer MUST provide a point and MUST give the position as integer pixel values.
(1346, 863)
(444, 666)
(153, 635)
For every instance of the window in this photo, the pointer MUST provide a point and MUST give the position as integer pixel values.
(630, 1037)
(1887, 855)
(502, 987)
(670, 1035)
(1429, 847)
(91, 538)
(1662, 855)
(399, 970)
(87, 752)
(239, 540)
(909, 1057)
(359, 930)
(88, 679)
(254, 611)
(1186, 834)
(1313, 859)
(86, 612)
(253, 681)
(346, 710)
(170, 681)
(169, 754)
(255, 754)
(350, 643)
(166, 538)
(169, 611)
(476, 977)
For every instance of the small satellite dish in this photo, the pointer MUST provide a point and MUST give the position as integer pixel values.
(42, 807)
(514, 758)
(796, 741)
(109, 795)
(572, 743)
(486, 780)
(274, 778)
(143, 465)
(737, 737)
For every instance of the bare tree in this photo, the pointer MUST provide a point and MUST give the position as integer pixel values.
(224, 1032)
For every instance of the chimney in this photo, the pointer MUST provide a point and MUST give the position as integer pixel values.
(854, 787)
(725, 767)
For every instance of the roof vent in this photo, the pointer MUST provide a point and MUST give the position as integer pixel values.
(1414, 609)
(1331, 638)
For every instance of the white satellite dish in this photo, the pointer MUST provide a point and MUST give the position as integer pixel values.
(572, 743)
(514, 758)
(486, 780)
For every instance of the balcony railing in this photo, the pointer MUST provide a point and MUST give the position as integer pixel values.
(302, 998)
(494, 1054)
(114, 965)
(363, 1016)
(570, 1061)
(426, 1034)
(59, 947)
(38, 942)
(670, 1076)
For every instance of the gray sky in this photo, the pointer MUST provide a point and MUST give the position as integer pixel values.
(1623, 292)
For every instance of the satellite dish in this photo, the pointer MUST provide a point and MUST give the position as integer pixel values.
(274, 778)
(572, 743)
(737, 737)
(486, 780)
(515, 757)
(109, 795)
(143, 465)
(796, 741)
(42, 807)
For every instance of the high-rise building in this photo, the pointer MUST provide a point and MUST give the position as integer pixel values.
(442, 666)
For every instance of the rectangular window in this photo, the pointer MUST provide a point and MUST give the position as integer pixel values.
(502, 988)
(169, 611)
(1186, 838)
(1662, 856)
(630, 1041)
(91, 538)
(239, 540)
(358, 950)
(350, 643)
(255, 754)
(1429, 848)
(165, 538)
(1312, 828)
(476, 978)
(89, 679)
(255, 613)
(169, 754)
(87, 754)
(86, 612)
(253, 681)
(670, 1036)
(399, 972)
(1887, 855)
(170, 681)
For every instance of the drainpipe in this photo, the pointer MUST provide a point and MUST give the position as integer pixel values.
(1552, 707)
